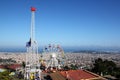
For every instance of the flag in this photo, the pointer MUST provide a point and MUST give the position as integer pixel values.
(28, 44)
(45, 48)
(58, 46)
(49, 46)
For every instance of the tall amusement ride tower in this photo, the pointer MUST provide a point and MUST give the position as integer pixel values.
(32, 59)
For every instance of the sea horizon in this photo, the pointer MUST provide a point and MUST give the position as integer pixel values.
(66, 49)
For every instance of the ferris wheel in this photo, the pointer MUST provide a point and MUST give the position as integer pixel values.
(54, 56)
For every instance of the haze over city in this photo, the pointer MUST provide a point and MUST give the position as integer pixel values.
(70, 23)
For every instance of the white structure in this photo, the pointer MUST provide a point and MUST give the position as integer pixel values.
(32, 67)
(54, 56)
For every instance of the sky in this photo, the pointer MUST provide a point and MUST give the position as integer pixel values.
(70, 23)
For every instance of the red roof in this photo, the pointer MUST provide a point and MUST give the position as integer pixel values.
(78, 74)
(11, 66)
(1, 66)
(14, 66)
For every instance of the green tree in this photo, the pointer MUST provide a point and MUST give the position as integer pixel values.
(66, 68)
(23, 64)
(105, 67)
(5, 76)
(73, 67)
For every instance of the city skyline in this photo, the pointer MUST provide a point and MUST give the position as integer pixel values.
(70, 23)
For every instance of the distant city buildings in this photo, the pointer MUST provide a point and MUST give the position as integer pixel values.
(83, 60)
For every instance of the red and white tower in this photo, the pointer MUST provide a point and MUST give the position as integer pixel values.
(32, 58)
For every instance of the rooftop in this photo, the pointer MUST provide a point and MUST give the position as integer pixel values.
(11, 66)
(75, 75)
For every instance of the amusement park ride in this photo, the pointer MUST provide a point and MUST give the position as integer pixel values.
(52, 59)
(53, 55)
(32, 59)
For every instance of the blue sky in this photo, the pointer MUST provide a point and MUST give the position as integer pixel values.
(73, 23)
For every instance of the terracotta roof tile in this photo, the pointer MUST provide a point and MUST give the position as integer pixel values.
(79, 74)
(12, 66)
(57, 76)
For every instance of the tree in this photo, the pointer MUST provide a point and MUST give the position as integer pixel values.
(73, 67)
(66, 68)
(23, 64)
(105, 67)
(5, 76)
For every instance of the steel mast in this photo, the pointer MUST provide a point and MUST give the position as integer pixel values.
(32, 59)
